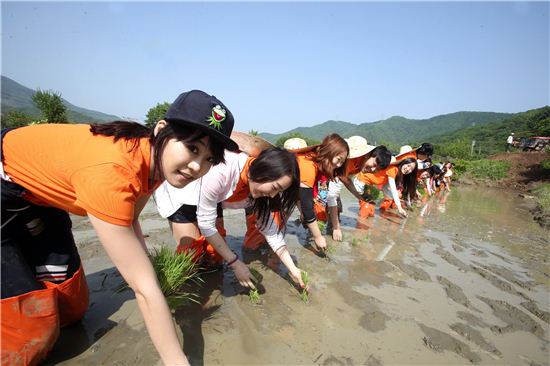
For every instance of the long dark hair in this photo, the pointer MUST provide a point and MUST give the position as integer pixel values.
(407, 182)
(132, 132)
(271, 165)
(331, 146)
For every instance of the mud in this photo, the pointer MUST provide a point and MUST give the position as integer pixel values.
(464, 279)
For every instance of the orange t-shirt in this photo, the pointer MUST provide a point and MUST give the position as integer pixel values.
(242, 190)
(380, 177)
(67, 167)
(353, 166)
(308, 170)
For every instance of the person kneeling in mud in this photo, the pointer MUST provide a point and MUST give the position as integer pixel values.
(268, 184)
(317, 163)
(402, 175)
(363, 158)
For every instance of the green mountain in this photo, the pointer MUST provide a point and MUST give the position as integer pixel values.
(491, 137)
(18, 97)
(396, 131)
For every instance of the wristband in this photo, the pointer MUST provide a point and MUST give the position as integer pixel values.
(233, 260)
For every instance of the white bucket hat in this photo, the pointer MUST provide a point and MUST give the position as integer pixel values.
(295, 143)
(405, 149)
(358, 147)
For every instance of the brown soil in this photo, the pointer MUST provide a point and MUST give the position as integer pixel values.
(524, 175)
(526, 172)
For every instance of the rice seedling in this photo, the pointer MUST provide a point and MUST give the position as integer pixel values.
(366, 239)
(322, 225)
(354, 242)
(253, 294)
(304, 294)
(174, 270)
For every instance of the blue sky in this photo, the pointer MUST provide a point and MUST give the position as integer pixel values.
(282, 65)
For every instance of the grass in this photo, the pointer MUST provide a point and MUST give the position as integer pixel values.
(482, 169)
(543, 196)
(304, 294)
(322, 225)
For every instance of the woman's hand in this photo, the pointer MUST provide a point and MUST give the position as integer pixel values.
(337, 234)
(296, 276)
(402, 212)
(243, 274)
(320, 242)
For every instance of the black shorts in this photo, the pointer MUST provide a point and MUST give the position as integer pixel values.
(37, 243)
(188, 214)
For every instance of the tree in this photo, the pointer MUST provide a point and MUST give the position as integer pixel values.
(253, 133)
(51, 105)
(156, 113)
(15, 118)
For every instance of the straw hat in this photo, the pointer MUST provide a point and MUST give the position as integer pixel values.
(405, 149)
(251, 145)
(295, 143)
(358, 147)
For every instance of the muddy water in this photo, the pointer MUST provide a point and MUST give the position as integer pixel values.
(464, 279)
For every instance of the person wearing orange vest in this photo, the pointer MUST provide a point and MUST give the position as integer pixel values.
(269, 181)
(327, 159)
(402, 174)
(363, 158)
(106, 172)
(422, 154)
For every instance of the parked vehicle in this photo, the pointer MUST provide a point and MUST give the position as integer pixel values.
(534, 143)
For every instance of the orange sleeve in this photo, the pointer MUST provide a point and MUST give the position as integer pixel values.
(392, 171)
(353, 166)
(107, 191)
(308, 171)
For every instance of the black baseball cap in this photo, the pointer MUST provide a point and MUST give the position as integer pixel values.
(199, 109)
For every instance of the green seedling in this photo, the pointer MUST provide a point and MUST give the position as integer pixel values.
(322, 225)
(174, 271)
(304, 294)
(254, 296)
(354, 242)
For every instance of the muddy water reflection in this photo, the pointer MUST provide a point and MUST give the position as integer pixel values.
(463, 279)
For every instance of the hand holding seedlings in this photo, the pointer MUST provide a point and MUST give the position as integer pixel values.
(243, 274)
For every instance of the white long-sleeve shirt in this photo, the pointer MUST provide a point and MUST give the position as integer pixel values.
(216, 186)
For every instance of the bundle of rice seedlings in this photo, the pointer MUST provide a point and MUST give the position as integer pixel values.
(174, 272)
(304, 295)
(253, 294)
(322, 225)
